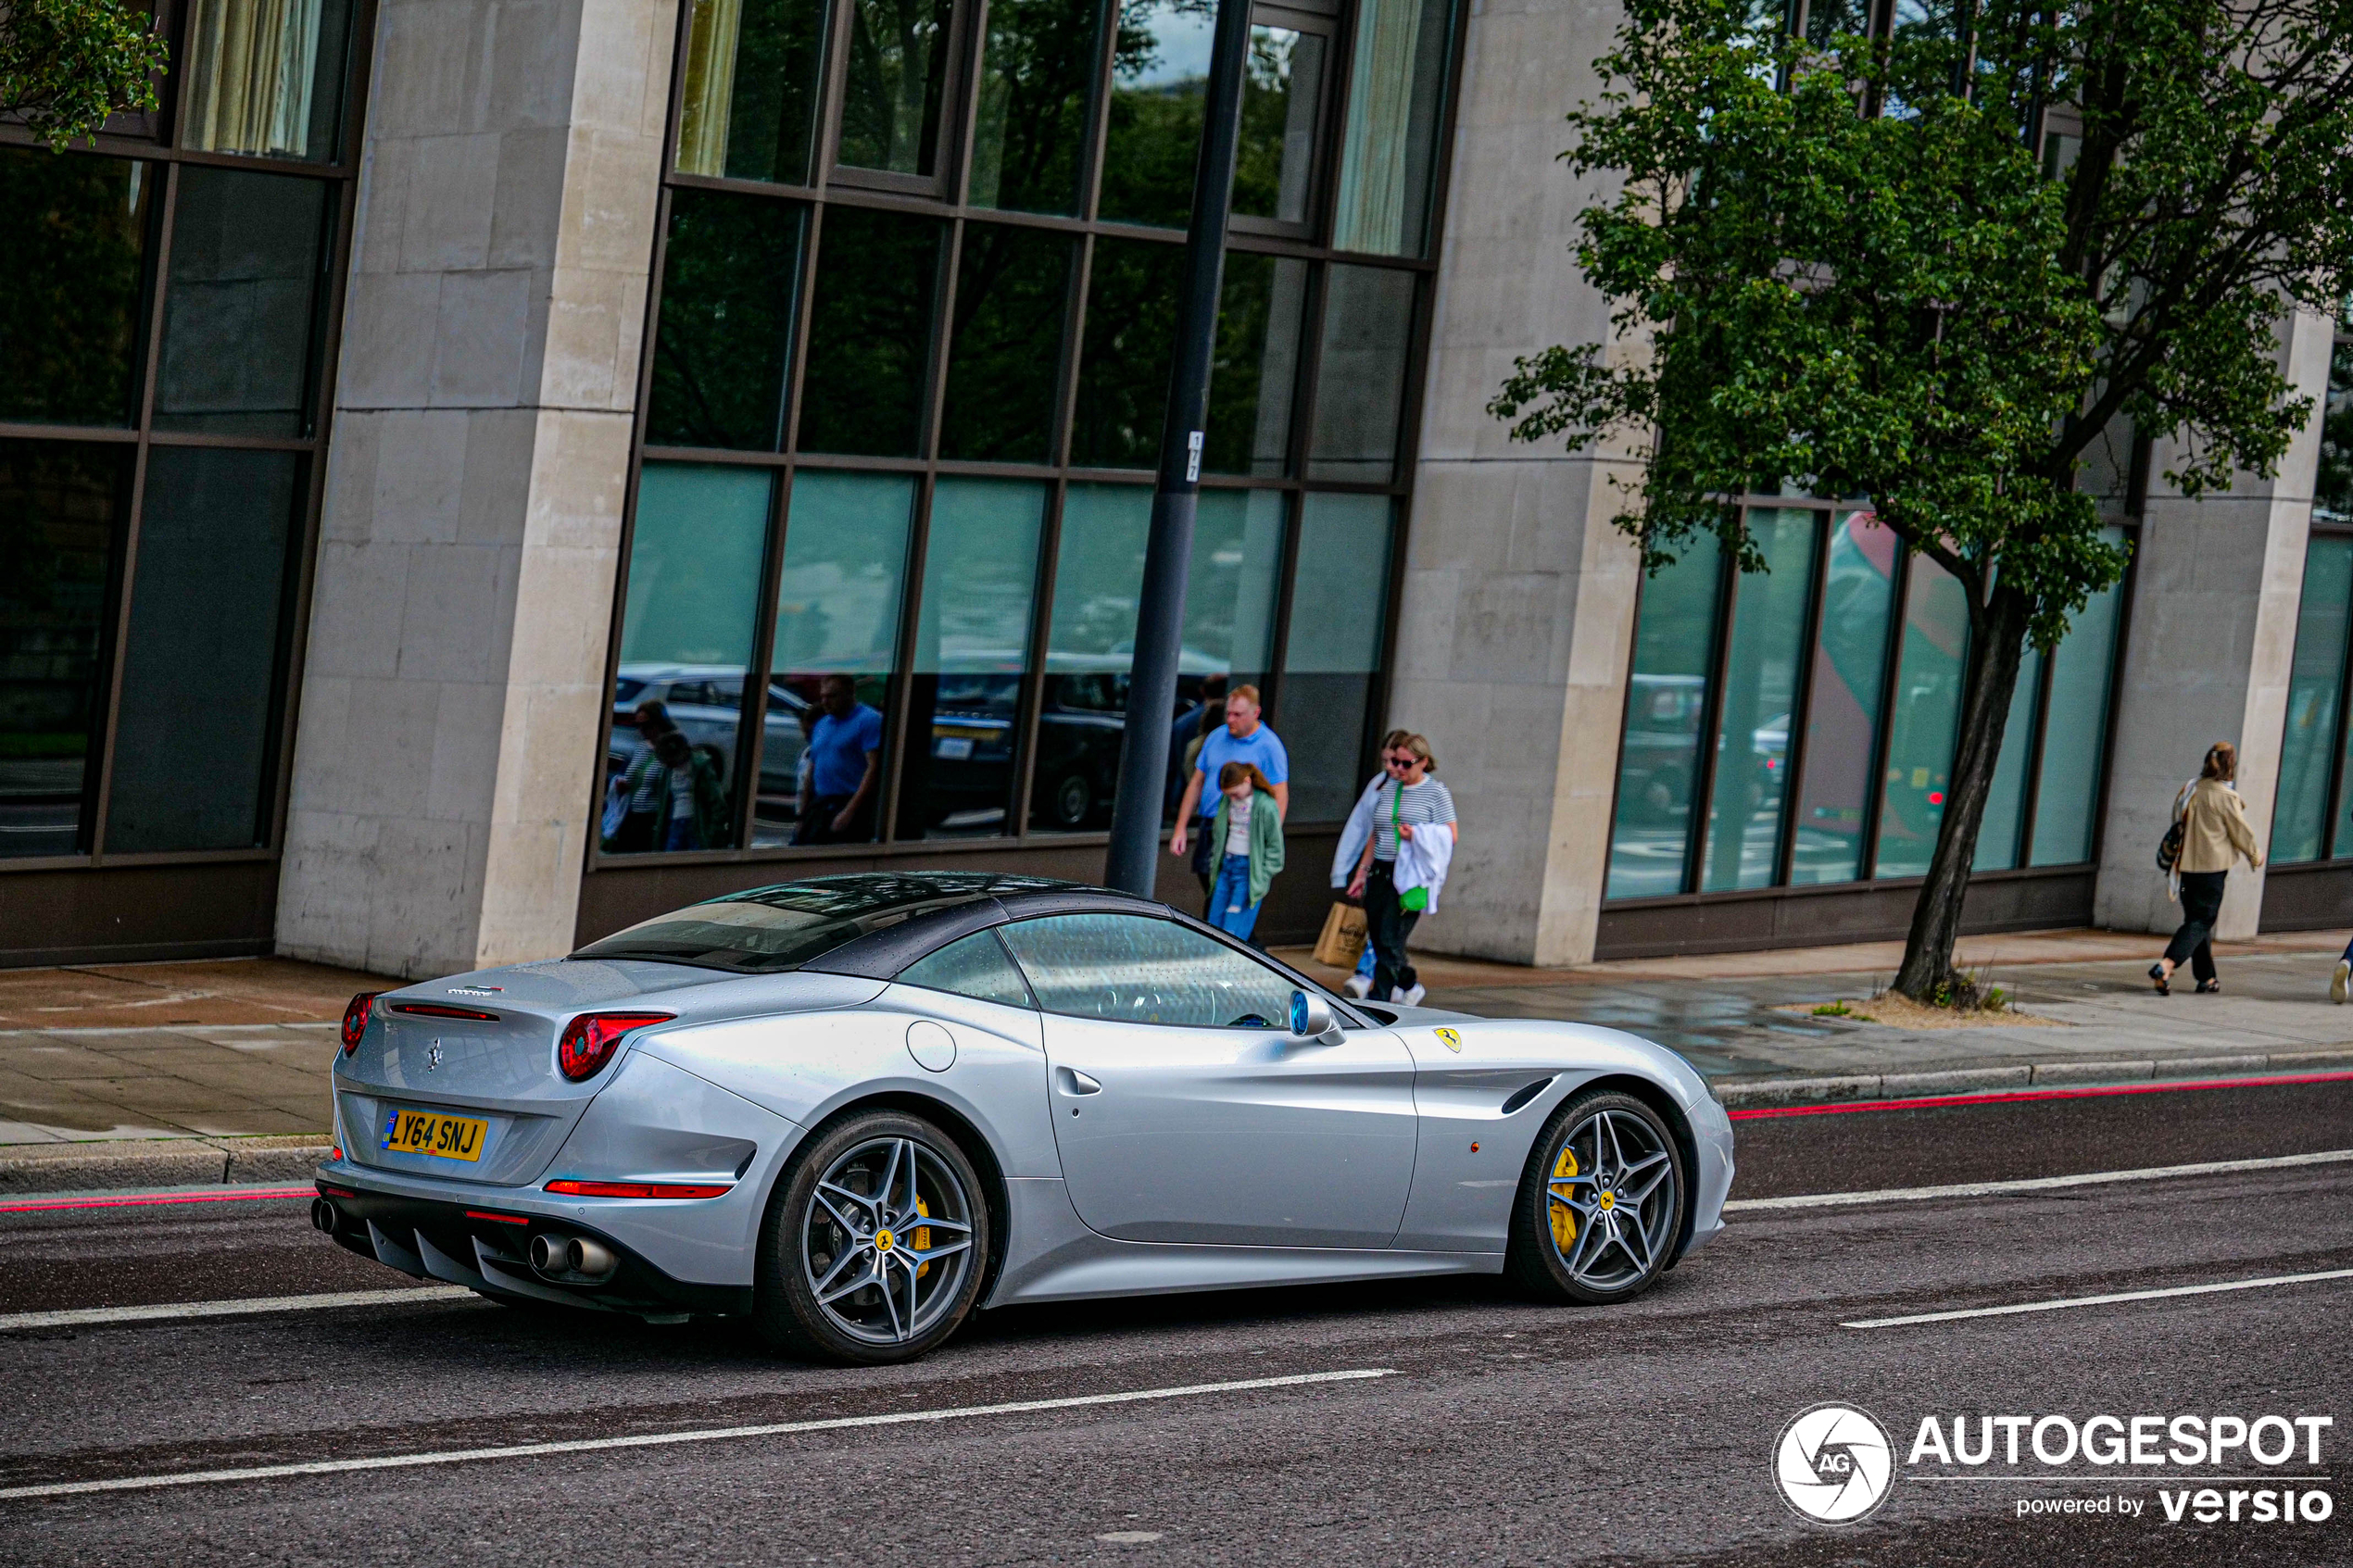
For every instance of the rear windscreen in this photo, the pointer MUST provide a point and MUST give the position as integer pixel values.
(769, 930)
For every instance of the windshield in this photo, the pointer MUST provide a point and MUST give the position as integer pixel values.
(769, 930)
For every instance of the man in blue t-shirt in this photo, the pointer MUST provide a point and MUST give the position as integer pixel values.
(1242, 738)
(845, 752)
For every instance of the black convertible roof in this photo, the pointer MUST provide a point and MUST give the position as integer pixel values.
(873, 925)
(869, 923)
(881, 954)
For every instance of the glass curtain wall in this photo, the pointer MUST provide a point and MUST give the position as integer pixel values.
(163, 358)
(904, 397)
(1814, 708)
(2307, 824)
(2312, 818)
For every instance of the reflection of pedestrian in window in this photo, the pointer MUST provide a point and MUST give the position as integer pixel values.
(1248, 831)
(688, 808)
(638, 826)
(1242, 738)
(693, 807)
(1185, 735)
(845, 751)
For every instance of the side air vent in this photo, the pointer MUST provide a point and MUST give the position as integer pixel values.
(1522, 1095)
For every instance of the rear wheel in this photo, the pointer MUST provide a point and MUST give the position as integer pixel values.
(1073, 802)
(875, 1244)
(1599, 1211)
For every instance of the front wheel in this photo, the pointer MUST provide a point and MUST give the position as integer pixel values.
(874, 1249)
(1599, 1211)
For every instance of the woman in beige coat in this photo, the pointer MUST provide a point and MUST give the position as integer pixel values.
(2214, 833)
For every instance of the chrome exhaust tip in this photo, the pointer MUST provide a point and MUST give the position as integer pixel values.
(571, 1257)
(325, 1217)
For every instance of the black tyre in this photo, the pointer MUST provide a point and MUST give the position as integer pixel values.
(1074, 801)
(1600, 1204)
(876, 1243)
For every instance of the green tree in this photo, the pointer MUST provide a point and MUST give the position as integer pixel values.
(1934, 269)
(65, 65)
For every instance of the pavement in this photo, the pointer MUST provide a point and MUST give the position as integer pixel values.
(2095, 1017)
(1437, 1422)
(152, 1074)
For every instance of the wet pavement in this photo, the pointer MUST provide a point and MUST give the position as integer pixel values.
(2271, 1005)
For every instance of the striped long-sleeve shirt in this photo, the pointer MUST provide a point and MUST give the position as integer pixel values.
(1428, 801)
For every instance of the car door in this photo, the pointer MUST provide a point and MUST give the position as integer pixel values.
(1185, 1111)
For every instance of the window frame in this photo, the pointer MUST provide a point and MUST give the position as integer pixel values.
(151, 138)
(1826, 514)
(2340, 790)
(957, 104)
(1324, 151)
(946, 199)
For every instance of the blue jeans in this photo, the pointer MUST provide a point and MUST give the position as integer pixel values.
(1230, 909)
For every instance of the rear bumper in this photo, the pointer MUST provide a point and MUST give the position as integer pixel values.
(482, 1240)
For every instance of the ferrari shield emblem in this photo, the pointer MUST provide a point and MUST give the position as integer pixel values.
(1451, 1040)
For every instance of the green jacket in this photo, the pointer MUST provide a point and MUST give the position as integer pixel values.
(711, 799)
(1266, 839)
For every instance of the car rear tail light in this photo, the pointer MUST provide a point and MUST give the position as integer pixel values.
(589, 1040)
(354, 1019)
(638, 1190)
(435, 1010)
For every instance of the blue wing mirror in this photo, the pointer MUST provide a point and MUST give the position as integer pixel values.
(1311, 1018)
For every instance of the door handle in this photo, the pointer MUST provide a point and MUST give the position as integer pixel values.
(1076, 1082)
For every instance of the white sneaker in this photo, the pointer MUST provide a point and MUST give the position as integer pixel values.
(2340, 981)
(1412, 998)
(1358, 985)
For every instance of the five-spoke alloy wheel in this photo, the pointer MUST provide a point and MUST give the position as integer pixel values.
(1601, 1208)
(874, 1246)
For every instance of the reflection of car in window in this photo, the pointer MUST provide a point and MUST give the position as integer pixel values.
(706, 702)
(1764, 768)
(973, 738)
(1663, 715)
(1081, 716)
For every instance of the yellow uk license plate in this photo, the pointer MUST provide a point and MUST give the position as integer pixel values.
(431, 1131)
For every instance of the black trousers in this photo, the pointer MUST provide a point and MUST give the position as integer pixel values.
(1203, 855)
(817, 826)
(1388, 926)
(2201, 906)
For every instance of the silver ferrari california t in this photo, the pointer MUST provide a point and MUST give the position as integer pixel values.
(853, 1108)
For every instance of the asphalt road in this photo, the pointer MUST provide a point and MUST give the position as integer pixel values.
(1497, 1431)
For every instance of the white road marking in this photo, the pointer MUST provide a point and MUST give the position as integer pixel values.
(78, 1316)
(2034, 1183)
(664, 1439)
(2100, 1300)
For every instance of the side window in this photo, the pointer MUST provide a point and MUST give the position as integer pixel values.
(1132, 968)
(970, 966)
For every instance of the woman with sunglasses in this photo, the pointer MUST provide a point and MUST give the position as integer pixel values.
(1408, 802)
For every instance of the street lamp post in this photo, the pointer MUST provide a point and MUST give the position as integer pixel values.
(1160, 614)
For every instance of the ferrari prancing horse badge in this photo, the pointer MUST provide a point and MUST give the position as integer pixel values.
(1451, 1040)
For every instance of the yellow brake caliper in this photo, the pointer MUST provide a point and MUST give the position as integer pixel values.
(1564, 1217)
(923, 1239)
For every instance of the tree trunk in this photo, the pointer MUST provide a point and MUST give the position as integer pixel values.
(1997, 647)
